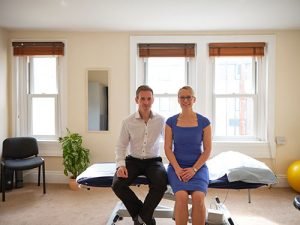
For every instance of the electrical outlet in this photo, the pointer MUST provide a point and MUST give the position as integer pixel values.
(280, 140)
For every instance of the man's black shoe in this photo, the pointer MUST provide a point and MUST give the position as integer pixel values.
(136, 221)
(153, 222)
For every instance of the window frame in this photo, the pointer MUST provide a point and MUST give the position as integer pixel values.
(259, 128)
(20, 123)
(136, 63)
(201, 80)
(31, 95)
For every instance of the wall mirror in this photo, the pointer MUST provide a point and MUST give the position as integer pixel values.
(97, 99)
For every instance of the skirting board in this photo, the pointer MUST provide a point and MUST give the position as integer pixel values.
(55, 177)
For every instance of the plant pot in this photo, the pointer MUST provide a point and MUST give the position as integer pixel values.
(74, 186)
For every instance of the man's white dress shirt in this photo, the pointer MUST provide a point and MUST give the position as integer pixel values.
(140, 138)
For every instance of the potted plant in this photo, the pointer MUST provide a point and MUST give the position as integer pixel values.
(75, 157)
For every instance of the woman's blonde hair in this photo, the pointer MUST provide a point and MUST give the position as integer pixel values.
(188, 88)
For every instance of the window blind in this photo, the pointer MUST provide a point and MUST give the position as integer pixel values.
(166, 50)
(38, 48)
(237, 49)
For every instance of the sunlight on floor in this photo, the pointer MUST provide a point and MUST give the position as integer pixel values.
(255, 220)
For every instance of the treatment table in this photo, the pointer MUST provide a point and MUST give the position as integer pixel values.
(229, 170)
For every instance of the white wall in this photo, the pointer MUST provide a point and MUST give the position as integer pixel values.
(287, 111)
(3, 87)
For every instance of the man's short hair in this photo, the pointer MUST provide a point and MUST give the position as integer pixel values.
(143, 88)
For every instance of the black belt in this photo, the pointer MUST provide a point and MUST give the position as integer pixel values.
(146, 159)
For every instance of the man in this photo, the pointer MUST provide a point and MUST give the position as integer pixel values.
(141, 131)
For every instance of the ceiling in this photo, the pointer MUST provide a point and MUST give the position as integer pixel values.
(150, 15)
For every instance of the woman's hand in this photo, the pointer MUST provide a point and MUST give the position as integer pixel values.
(179, 172)
(187, 174)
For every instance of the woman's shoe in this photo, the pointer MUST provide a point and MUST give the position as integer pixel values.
(297, 202)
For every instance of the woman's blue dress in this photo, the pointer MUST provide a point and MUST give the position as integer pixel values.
(187, 143)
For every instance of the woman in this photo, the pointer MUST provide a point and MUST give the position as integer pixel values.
(187, 171)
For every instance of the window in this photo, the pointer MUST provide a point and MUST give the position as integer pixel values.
(235, 97)
(233, 84)
(38, 78)
(42, 95)
(237, 75)
(166, 68)
(38, 97)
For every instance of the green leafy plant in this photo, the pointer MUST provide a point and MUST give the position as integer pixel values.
(75, 157)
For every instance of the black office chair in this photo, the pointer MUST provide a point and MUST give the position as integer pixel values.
(21, 153)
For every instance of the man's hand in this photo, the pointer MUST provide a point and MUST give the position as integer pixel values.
(122, 172)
